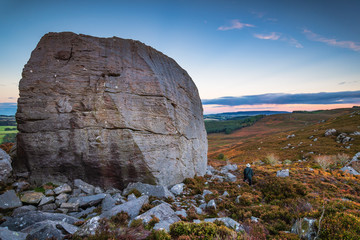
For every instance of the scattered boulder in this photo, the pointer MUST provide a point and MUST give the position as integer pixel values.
(229, 222)
(65, 188)
(290, 136)
(6, 234)
(229, 177)
(229, 167)
(182, 213)
(89, 228)
(49, 230)
(27, 219)
(83, 186)
(49, 192)
(343, 138)
(164, 213)
(255, 219)
(226, 194)
(283, 173)
(349, 170)
(211, 204)
(21, 186)
(88, 201)
(117, 110)
(330, 132)
(356, 133)
(32, 197)
(70, 207)
(82, 214)
(305, 228)
(23, 209)
(132, 208)
(9, 200)
(46, 200)
(177, 189)
(108, 203)
(5, 167)
(206, 192)
(150, 190)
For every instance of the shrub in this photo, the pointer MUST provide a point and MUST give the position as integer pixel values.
(196, 184)
(271, 159)
(159, 235)
(135, 192)
(275, 188)
(340, 226)
(221, 156)
(325, 161)
(287, 162)
(343, 159)
(136, 223)
(121, 219)
(203, 230)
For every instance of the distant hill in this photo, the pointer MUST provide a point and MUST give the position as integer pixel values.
(270, 135)
(230, 115)
(8, 109)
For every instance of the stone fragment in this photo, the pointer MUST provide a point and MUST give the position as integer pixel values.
(51, 207)
(98, 190)
(229, 222)
(305, 228)
(83, 186)
(132, 208)
(108, 203)
(133, 116)
(225, 194)
(131, 197)
(206, 192)
(49, 192)
(32, 197)
(27, 219)
(229, 167)
(21, 186)
(86, 201)
(6, 234)
(65, 188)
(5, 167)
(164, 213)
(150, 190)
(23, 209)
(49, 230)
(46, 200)
(83, 214)
(9, 200)
(89, 228)
(177, 189)
(350, 170)
(330, 132)
(254, 219)
(71, 207)
(229, 177)
(63, 197)
(283, 173)
(211, 204)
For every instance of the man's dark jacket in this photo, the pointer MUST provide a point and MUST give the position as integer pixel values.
(248, 173)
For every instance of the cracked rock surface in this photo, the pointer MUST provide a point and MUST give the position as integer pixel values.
(109, 111)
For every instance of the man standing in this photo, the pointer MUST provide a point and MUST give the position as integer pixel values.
(248, 174)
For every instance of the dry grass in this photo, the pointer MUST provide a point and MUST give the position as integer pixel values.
(272, 159)
(325, 162)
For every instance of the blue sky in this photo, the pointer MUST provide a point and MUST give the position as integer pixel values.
(235, 49)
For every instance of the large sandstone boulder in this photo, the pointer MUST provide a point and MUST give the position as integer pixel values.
(108, 111)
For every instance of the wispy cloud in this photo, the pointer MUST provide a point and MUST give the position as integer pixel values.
(235, 24)
(286, 98)
(278, 36)
(271, 36)
(347, 82)
(332, 41)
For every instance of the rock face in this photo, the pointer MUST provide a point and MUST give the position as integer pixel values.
(109, 111)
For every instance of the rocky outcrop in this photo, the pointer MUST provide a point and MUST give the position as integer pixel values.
(5, 167)
(108, 111)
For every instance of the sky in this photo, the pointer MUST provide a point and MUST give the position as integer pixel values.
(242, 55)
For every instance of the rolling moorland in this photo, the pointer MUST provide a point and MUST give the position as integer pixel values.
(315, 200)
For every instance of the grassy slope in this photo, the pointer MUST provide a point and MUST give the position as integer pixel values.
(3, 132)
(269, 135)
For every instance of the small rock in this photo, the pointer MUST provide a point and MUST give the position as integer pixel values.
(72, 207)
(49, 229)
(49, 192)
(182, 213)
(290, 136)
(315, 139)
(229, 222)
(48, 207)
(9, 200)
(211, 204)
(349, 170)
(89, 228)
(131, 197)
(83, 186)
(283, 173)
(356, 133)
(132, 208)
(46, 200)
(237, 200)
(108, 203)
(21, 186)
(82, 214)
(229, 177)
(225, 194)
(255, 219)
(177, 189)
(164, 213)
(23, 209)
(150, 190)
(206, 192)
(98, 190)
(330, 132)
(229, 167)
(305, 228)
(65, 188)
(6, 234)
(32, 197)
(5, 167)
(88, 200)
(63, 197)
(198, 210)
